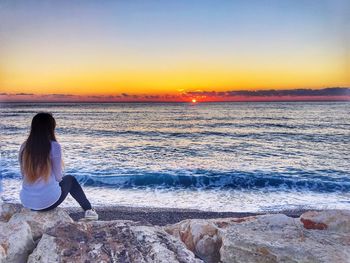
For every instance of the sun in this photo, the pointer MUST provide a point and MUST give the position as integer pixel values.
(194, 100)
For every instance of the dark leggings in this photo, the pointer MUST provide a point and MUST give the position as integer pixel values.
(70, 185)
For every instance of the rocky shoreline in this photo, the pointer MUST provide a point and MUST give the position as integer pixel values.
(172, 236)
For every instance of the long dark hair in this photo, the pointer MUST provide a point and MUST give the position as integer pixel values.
(35, 158)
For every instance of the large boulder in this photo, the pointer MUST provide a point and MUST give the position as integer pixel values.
(16, 242)
(278, 238)
(202, 236)
(40, 221)
(110, 241)
(46, 251)
(314, 237)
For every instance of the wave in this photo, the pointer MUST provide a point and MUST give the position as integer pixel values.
(221, 180)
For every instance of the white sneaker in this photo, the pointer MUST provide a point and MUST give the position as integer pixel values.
(91, 215)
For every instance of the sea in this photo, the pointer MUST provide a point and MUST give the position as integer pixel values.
(234, 156)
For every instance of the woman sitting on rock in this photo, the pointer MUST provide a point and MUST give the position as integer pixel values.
(43, 186)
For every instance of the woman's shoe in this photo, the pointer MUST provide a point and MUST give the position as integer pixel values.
(91, 214)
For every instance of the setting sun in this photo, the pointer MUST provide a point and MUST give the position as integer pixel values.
(194, 100)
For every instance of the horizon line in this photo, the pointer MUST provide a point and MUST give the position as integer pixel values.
(177, 102)
(300, 94)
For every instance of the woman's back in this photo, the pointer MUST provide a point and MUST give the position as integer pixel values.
(42, 194)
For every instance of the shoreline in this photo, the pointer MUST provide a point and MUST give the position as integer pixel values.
(164, 216)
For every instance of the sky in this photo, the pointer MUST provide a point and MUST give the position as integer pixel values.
(171, 50)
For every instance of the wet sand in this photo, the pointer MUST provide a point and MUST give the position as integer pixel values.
(164, 216)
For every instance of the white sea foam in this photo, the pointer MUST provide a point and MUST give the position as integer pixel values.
(207, 200)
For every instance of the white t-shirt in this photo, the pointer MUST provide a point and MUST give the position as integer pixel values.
(40, 194)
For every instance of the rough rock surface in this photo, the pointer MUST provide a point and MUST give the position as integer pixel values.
(316, 236)
(16, 242)
(268, 238)
(278, 238)
(110, 241)
(39, 221)
(202, 236)
(45, 251)
(20, 228)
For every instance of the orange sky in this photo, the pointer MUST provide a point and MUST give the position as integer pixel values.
(159, 48)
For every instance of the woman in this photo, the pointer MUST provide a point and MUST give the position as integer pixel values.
(43, 186)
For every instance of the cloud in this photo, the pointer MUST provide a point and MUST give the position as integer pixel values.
(152, 97)
(63, 95)
(106, 97)
(98, 97)
(24, 94)
(333, 93)
(336, 91)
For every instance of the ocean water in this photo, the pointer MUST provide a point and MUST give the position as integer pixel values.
(211, 156)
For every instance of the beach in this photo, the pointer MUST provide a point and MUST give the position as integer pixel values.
(162, 216)
(165, 216)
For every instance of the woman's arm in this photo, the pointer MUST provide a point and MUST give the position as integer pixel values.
(56, 161)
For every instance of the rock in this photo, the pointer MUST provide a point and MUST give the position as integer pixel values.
(39, 221)
(332, 220)
(16, 242)
(268, 238)
(317, 236)
(7, 210)
(45, 251)
(201, 236)
(110, 241)
(278, 238)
